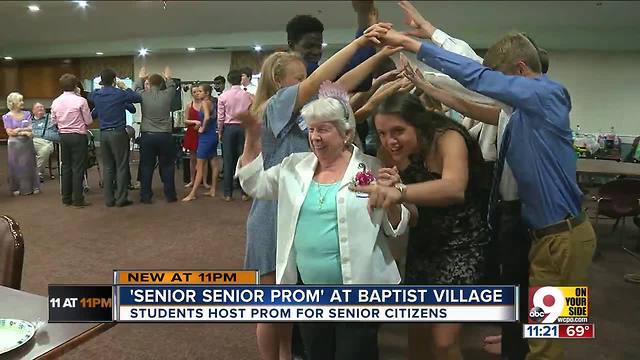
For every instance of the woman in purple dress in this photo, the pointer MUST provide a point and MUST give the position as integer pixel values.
(23, 173)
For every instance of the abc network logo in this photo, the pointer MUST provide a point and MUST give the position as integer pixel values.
(547, 305)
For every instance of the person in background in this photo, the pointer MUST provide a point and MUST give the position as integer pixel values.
(219, 84)
(70, 112)
(44, 136)
(207, 143)
(110, 107)
(85, 94)
(156, 140)
(245, 80)
(232, 102)
(304, 37)
(192, 123)
(23, 172)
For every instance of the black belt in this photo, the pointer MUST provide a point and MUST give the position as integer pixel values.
(565, 225)
(112, 128)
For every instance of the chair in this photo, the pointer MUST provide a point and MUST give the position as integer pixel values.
(11, 253)
(619, 199)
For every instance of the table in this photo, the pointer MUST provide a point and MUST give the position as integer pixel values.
(51, 340)
(607, 167)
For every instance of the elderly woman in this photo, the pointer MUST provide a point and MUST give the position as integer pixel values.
(23, 172)
(325, 232)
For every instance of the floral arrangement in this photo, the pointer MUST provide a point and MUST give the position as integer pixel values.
(363, 177)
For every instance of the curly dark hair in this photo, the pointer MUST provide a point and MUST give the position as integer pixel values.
(302, 24)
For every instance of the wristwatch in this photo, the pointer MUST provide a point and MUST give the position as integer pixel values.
(403, 190)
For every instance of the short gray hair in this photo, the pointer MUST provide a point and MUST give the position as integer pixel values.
(330, 110)
(14, 99)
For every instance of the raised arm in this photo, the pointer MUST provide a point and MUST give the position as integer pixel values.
(485, 113)
(331, 68)
(257, 182)
(516, 91)
(353, 78)
(423, 28)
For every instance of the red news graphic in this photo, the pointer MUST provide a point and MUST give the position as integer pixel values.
(559, 312)
(559, 305)
(582, 331)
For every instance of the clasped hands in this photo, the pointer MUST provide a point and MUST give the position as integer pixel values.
(382, 193)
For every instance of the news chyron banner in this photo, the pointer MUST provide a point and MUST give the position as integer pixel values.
(559, 312)
(236, 296)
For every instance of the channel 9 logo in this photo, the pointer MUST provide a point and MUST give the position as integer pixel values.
(550, 304)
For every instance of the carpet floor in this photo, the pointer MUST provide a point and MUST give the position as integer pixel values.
(84, 246)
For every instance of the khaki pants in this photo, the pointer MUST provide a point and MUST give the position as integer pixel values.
(560, 259)
(44, 148)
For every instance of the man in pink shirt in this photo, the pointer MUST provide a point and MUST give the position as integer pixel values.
(231, 103)
(70, 112)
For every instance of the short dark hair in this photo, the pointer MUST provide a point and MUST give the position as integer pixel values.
(156, 80)
(107, 76)
(219, 78)
(301, 25)
(234, 77)
(247, 71)
(68, 82)
(544, 60)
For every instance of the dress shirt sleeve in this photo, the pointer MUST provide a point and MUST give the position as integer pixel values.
(130, 108)
(454, 45)
(131, 96)
(138, 85)
(170, 91)
(53, 114)
(516, 91)
(389, 230)
(258, 183)
(86, 114)
(221, 111)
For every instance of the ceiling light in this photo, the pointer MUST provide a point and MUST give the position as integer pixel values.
(82, 4)
(324, 44)
(257, 48)
(143, 52)
(99, 53)
(8, 58)
(34, 8)
(191, 49)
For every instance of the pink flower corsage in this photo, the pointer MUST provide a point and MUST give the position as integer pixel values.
(363, 177)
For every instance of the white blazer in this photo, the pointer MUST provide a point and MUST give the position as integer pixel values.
(364, 252)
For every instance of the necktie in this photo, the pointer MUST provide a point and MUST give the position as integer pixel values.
(494, 195)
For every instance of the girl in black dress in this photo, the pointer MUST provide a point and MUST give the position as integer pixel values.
(439, 168)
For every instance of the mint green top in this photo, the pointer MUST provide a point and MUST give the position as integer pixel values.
(637, 155)
(316, 239)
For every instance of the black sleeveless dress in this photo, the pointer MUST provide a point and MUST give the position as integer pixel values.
(448, 244)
